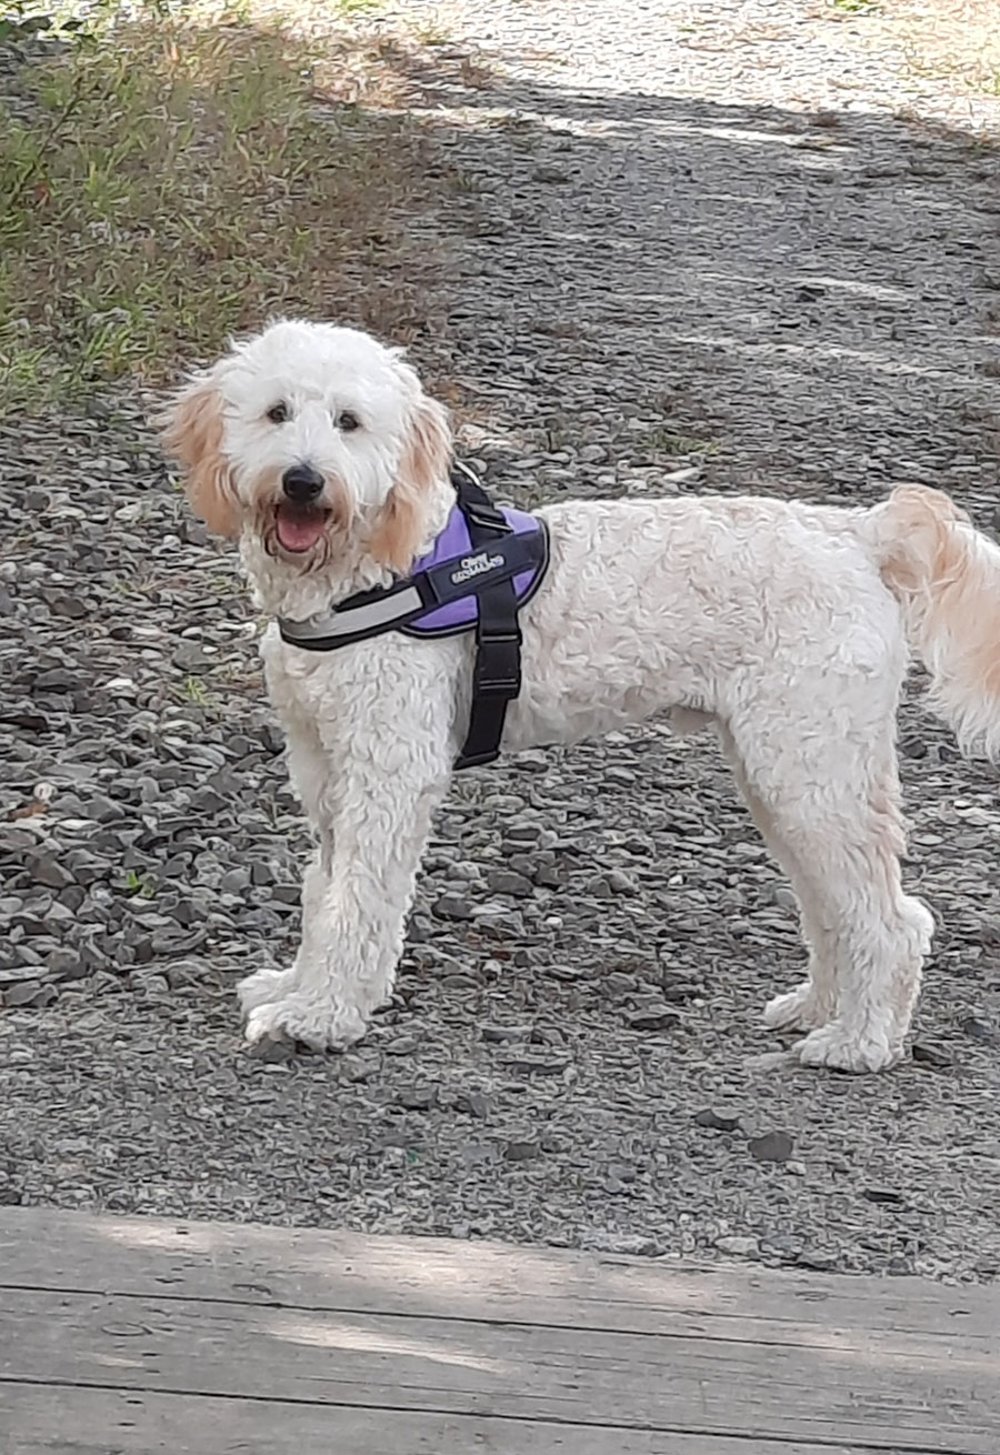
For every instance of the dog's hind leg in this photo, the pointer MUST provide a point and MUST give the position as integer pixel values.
(835, 805)
(812, 1003)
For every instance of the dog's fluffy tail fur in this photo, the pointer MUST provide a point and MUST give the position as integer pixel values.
(946, 577)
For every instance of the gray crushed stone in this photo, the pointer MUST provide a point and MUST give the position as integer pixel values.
(689, 256)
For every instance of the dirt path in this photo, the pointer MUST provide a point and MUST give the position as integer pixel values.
(704, 249)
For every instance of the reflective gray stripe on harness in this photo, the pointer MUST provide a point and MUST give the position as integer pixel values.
(484, 566)
(355, 622)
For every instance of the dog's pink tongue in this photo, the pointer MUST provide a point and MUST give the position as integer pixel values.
(299, 528)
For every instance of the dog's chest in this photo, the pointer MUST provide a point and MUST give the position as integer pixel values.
(303, 686)
(359, 687)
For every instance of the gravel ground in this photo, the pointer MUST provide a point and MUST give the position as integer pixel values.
(711, 256)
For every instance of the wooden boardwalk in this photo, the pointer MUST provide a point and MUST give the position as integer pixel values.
(129, 1336)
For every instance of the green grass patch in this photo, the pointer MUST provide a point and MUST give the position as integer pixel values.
(856, 7)
(172, 174)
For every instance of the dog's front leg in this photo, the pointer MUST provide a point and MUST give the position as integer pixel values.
(377, 804)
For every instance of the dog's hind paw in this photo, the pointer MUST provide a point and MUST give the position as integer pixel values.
(801, 1009)
(261, 987)
(842, 1050)
(317, 1023)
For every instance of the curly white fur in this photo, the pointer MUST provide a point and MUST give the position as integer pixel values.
(785, 625)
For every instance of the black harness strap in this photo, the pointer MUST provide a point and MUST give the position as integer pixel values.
(496, 678)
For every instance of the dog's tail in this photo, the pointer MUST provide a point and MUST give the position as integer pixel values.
(946, 576)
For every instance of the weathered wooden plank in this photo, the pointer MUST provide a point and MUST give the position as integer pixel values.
(307, 1268)
(47, 1420)
(880, 1393)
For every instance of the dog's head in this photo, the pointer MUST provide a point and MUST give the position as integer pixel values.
(317, 440)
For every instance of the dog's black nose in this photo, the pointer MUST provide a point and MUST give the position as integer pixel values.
(301, 483)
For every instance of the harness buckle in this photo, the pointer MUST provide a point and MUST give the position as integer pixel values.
(498, 664)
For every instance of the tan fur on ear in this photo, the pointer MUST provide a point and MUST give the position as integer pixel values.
(400, 530)
(192, 433)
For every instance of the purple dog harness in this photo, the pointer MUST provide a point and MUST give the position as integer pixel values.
(485, 565)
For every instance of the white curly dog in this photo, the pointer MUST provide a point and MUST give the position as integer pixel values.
(784, 626)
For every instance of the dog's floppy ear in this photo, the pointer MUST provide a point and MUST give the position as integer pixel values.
(400, 529)
(192, 433)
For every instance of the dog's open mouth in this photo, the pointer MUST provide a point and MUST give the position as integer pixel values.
(299, 527)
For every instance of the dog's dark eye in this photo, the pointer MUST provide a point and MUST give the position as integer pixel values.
(278, 413)
(347, 421)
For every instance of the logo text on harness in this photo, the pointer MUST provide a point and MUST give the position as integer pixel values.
(471, 566)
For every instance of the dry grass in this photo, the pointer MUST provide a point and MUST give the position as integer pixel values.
(955, 38)
(181, 173)
(955, 41)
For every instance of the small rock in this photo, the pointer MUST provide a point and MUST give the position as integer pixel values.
(654, 1018)
(402, 1046)
(476, 1154)
(819, 1258)
(29, 993)
(207, 801)
(27, 716)
(63, 604)
(716, 1121)
(417, 1098)
(978, 1029)
(783, 1245)
(884, 1195)
(103, 809)
(934, 1056)
(537, 1065)
(521, 1151)
(453, 906)
(551, 876)
(738, 1246)
(503, 1035)
(64, 964)
(474, 1103)
(358, 1066)
(677, 985)
(524, 832)
(600, 887)
(235, 881)
(47, 870)
(621, 883)
(57, 679)
(771, 1147)
(506, 881)
(149, 978)
(634, 1245)
(190, 657)
(185, 972)
(568, 973)
(272, 1051)
(624, 777)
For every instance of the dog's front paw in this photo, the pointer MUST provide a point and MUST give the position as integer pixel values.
(319, 1024)
(262, 986)
(800, 1010)
(843, 1050)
